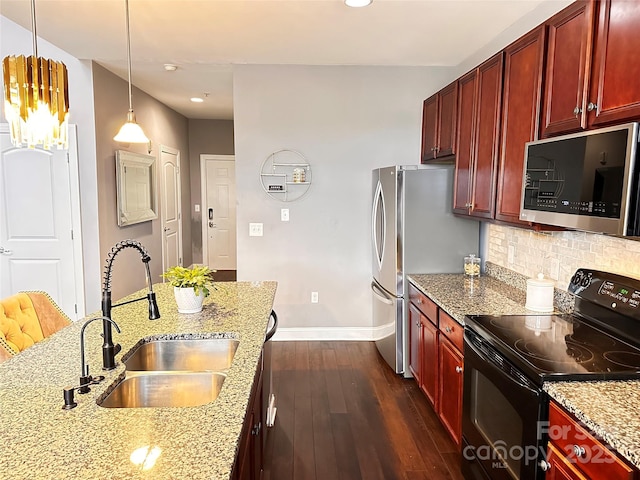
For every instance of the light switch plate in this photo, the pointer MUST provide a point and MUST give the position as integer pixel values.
(284, 214)
(255, 229)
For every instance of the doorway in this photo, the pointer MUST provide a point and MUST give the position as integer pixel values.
(171, 210)
(218, 177)
(40, 232)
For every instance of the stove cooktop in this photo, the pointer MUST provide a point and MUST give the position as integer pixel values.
(558, 347)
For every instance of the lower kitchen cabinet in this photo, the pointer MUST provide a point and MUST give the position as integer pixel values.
(436, 359)
(574, 452)
(250, 457)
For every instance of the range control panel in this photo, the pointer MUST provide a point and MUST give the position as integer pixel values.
(609, 290)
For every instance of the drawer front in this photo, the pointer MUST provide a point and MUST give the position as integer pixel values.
(424, 304)
(580, 448)
(452, 329)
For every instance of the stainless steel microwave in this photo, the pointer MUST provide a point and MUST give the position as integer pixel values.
(584, 181)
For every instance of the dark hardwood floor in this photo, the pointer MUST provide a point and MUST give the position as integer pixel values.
(343, 414)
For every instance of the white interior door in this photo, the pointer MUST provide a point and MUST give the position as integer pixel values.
(39, 223)
(171, 207)
(218, 173)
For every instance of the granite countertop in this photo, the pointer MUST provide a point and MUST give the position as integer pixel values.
(42, 440)
(459, 295)
(611, 409)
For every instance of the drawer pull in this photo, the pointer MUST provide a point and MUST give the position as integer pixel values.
(578, 451)
(458, 369)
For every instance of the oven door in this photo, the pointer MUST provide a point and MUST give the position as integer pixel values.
(500, 417)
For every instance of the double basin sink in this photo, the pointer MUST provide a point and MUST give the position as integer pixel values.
(173, 373)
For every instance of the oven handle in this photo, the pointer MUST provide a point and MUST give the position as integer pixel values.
(519, 381)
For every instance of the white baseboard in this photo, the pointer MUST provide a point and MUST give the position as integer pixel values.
(366, 334)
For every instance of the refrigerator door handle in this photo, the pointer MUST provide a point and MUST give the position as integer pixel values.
(380, 294)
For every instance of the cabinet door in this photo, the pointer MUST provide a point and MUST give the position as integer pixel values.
(450, 391)
(446, 143)
(415, 334)
(568, 69)
(465, 148)
(430, 337)
(487, 137)
(520, 118)
(615, 87)
(429, 128)
(559, 468)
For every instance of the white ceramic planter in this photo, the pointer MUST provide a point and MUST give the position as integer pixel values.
(187, 300)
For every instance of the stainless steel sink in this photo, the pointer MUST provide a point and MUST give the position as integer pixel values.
(165, 389)
(195, 355)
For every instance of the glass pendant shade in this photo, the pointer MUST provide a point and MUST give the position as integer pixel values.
(131, 132)
(36, 98)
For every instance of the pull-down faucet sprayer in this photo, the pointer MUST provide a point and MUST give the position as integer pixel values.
(109, 350)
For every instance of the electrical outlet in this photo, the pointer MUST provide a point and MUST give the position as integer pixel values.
(284, 214)
(511, 253)
(314, 297)
(196, 207)
(255, 229)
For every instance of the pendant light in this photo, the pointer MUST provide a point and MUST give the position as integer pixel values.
(130, 132)
(36, 98)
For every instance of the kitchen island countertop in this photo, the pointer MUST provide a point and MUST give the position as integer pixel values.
(41, 440)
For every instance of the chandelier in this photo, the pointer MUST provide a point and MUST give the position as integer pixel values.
(36, 102)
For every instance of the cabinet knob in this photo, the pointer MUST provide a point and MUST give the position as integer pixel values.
(419, 300)
(458, 369)
(577, 111)
(544, 465)
(418, 323)
(578, 451)
(591, 107)
(468, 205)
(448, 329)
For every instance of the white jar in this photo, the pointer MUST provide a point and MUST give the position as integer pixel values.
(540, 294)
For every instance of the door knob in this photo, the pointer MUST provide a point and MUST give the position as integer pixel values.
(5, 251)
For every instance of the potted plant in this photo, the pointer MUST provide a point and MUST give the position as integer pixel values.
(190, 286)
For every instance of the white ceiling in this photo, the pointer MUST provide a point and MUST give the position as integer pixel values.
(205, 38)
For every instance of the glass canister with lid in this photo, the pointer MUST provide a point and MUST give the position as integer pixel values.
(472, 265)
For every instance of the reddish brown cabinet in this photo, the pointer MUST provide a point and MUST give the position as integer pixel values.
(436, 359)
(250, 456)
(450, 388)
(575, 453)
(521, 101)
(615, 89)
(568, 69)
(478, 129)
(423, 343)
(438, 124)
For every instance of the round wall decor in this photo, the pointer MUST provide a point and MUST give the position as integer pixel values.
(286, 175)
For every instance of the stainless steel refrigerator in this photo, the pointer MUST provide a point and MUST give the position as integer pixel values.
(413, 231)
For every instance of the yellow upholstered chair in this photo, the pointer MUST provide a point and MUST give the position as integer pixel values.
(27, 318)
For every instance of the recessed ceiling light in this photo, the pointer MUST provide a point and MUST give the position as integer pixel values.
(197, 100)
(357, 3)
(170, 67)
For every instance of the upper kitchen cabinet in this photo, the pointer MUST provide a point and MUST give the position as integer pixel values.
(478, 135)
(521, 100)
(593, 63)
(438, 124)
(568, 67)
(615, 89)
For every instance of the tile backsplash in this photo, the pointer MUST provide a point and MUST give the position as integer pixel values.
(559, 254)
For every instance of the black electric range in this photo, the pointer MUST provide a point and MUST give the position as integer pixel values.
(599, 341)
(507, 359)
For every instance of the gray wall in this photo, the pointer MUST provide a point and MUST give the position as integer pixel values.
(213, 137)
(346, 121)
(164, 127)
